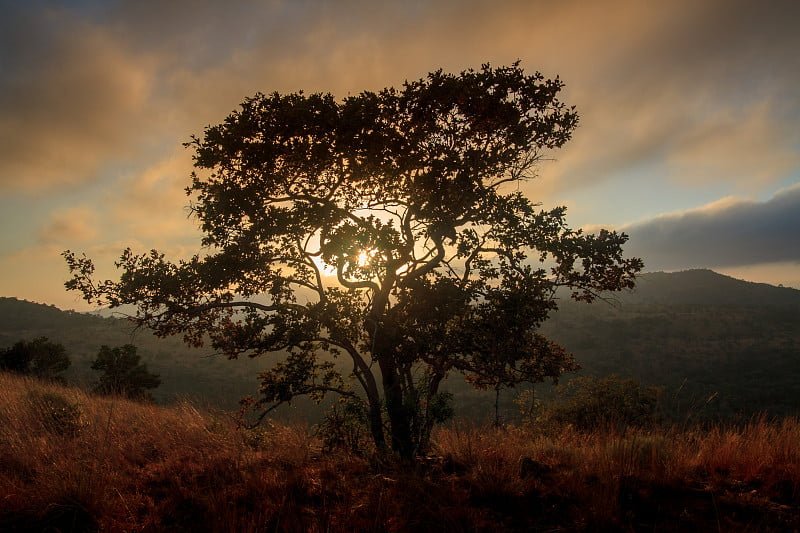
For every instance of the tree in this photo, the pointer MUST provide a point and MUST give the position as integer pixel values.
(387, 229)
(122, 374)
(39, 357)
(589, 403)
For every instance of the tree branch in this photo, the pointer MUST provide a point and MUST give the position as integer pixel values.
(430, 265)
(305, 392)
(193, 311)
(364, 284)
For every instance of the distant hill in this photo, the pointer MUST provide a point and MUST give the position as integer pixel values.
(699, 334)
(706, 287)
(185, 372)
(719, 346)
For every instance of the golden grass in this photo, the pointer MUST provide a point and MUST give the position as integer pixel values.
(70, 461)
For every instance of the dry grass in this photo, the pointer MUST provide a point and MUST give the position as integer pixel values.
(73, 462)
(722, 479)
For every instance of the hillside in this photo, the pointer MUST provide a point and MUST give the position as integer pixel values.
(196, 374)
(706, 287)
(72, 462)
(697, 333)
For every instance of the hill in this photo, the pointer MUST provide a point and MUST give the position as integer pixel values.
(699, 334)
(719, 346)
(706, 287)
(196, 374)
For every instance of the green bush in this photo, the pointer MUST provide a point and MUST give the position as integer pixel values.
(57, 414)
(122, 374)
(590, 403)
(345, 426)
(39, 357)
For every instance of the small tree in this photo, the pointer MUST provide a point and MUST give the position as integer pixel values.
(590, 403)
(122, 374)
(39, 357)
(388, 229)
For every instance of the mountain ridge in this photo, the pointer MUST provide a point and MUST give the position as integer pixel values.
(697, 333)
(704, 286)
(687, 287)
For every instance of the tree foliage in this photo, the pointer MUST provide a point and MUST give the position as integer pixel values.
(387, 229)
(590, 403)
(39, 357)
(122, 373)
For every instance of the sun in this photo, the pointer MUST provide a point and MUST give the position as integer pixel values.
(361, 260)
(364, 257)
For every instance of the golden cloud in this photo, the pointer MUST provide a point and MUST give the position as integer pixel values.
(749, 147)
(72, 107)
(151, 205)
(67, 227)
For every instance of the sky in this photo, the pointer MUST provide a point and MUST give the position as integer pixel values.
(689, 135)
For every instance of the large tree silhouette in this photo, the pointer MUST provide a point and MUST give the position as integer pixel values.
(387, 229)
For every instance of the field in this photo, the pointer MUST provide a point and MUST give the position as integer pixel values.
(73, 462)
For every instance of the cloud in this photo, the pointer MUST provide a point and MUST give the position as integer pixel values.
(649, 79)
(151, 204)
(750, 147)
(69, 226)
(683, 78)
(71, 99)
(727, 233)
(38, 273)
(87, 86)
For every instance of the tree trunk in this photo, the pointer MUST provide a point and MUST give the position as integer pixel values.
(383, 345)
(433, 388)
(399, 417)
(376, 424)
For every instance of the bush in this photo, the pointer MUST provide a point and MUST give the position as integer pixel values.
(122, 374)
(590, 403)
(39, 357)
(57, 414)
(345, 426)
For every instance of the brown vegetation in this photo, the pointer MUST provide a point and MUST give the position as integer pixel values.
(73, 462)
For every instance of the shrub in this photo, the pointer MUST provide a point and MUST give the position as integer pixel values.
(345, 426)
(123, 374)
(39, 357)
(57, 414)
(590, 403)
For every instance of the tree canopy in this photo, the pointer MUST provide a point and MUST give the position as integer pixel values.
(39, 357)
(387, 229)
(122, 373)
(590, 403)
